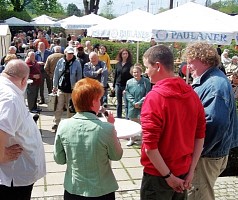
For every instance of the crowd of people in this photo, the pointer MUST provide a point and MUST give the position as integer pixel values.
(187, 129)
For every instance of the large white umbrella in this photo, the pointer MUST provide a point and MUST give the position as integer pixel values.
(13, 21)
(130, 26)
(193, 22)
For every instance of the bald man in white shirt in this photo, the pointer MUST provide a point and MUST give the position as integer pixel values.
(22, 160)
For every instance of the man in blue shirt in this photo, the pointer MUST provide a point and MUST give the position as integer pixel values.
(215, 92)
(41, 56)
(97, 69)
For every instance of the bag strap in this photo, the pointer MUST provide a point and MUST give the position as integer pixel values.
(66, 68)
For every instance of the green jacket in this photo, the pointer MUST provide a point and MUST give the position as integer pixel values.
(135, 93)
(86, 145)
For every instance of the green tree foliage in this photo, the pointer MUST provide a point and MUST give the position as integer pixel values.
(35, 6)
(107, 10)
(114, 47)
(45, 6)
(3, 5)
(91, 7)
(51, 8)
(19, 5)
(229, 6)
(24, 15)
(72, 9)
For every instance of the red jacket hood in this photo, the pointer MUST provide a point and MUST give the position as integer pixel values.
(174, 87)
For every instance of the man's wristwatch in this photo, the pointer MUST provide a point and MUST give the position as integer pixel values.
(167, 176)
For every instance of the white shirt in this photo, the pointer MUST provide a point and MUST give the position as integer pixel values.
(17, 122)
(42, 55)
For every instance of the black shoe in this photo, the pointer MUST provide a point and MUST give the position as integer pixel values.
(36, 117)
(37, 110)
(54, 127)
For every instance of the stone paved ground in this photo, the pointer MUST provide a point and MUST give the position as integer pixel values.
(128, 171)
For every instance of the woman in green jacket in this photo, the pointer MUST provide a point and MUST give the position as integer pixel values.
(86, 145)
(136, 90)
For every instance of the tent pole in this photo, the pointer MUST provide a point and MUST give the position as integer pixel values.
(137, 52)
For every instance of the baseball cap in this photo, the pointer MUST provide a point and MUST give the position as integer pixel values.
(79, 46)
(69, 50)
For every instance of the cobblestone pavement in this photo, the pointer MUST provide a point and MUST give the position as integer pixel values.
(128, 171)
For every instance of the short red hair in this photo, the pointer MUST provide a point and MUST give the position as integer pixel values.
(85, 91)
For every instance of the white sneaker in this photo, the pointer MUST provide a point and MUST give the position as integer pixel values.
(130, 143)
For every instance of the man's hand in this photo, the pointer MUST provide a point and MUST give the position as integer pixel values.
(36, 76)
(41, 63)
(99, 71)
(176, 183)
(137, 105)
(54, 90)
(188, 180)
(11, 153)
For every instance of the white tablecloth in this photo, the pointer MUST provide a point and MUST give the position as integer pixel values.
(126, 128)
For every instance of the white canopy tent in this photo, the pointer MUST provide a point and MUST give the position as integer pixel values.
(13, 21)
(193, 22)
(44, 17)
(234, 21)
(43, 21)
(74, 22)
(69, 22)
(131, 26)
(5, 39)
(93, 19)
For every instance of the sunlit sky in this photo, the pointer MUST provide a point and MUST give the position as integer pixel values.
(123, 6)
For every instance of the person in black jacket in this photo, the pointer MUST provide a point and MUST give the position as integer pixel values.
(122, 75)
(81, 56)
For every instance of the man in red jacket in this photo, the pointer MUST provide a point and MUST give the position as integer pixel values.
(173, 126)
(33, 88)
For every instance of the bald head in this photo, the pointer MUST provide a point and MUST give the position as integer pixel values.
(57, 49)
(17, 68)
(12, 50)
(93, 54)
